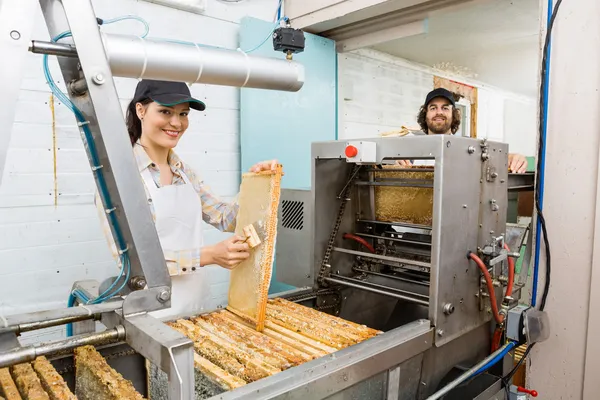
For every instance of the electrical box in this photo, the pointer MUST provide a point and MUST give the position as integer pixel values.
(361, 152)
(515, 329)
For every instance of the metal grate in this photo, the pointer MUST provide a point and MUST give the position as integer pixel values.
(292, 214)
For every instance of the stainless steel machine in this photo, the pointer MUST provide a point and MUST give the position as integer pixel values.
(414, 272)
(423, 254)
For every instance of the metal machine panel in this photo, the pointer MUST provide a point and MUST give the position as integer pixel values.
(326, 376)
(469, 211)
(294, 238)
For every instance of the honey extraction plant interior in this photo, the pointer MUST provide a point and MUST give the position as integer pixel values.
(286, 199)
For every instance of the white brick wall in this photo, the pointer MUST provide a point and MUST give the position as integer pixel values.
(379, 92)
(49, 231)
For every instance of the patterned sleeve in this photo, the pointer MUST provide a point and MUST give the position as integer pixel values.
(220, 214)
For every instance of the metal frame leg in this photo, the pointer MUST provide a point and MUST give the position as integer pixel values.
(114, 150)
(393, 383)
(16, 25)
(171, 351)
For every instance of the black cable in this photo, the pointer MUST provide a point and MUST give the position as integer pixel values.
(512, 373)
(544, 82)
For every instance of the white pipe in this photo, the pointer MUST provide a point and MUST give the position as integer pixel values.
(134, 57)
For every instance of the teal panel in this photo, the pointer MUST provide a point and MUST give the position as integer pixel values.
(283, 125)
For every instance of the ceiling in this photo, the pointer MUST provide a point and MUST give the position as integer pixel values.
(492, 41)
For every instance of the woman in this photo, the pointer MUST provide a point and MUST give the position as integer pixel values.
(179, 200)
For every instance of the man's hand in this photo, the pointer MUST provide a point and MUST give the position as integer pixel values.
(517, 163)
(227, 254)
(269, 165)
(404, 163)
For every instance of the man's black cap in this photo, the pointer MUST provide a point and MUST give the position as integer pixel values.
(440, 92)
(166, 93)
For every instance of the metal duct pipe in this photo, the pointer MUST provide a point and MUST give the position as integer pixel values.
(134, 57)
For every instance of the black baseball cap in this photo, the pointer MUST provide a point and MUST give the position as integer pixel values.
(166, 93)
(440, 92)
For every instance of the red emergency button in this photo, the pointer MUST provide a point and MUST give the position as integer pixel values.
(351, 151)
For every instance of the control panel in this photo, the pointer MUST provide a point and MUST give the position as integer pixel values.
(361, 152)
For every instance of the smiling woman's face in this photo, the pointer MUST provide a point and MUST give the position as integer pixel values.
(163, 126)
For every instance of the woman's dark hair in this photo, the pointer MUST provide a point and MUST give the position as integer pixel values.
(134, 125)
(422, 121)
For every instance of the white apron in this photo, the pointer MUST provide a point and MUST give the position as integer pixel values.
(178, 219)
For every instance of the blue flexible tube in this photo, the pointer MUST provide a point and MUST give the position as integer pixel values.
(541, 174)
(279, 10)
(495, 360)
(70, 303)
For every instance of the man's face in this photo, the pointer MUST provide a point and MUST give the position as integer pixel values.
(439, 116)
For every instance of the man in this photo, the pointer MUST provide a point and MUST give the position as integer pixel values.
(439, 116)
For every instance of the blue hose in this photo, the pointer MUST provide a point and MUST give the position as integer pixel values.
(541, 174)
(494, 360)
(279, 10)
(70, 303)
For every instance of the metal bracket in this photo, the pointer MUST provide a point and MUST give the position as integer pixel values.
(168, 349)
(503, 256)
(491, 174)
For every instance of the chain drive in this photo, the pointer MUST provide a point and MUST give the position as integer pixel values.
(344, 197)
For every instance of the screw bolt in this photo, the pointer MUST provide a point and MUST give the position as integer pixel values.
(440, 332)
(98, 79)
(138, 283)
(164, 296)
(448, 308)
(471, 149)
(16, 35)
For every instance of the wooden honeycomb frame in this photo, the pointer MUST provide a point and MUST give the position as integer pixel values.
(250, 280)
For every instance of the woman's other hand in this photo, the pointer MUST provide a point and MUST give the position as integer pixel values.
(227, 254)
(268, 165)
(517, 163)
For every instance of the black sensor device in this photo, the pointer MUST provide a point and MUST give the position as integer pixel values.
(288, 40)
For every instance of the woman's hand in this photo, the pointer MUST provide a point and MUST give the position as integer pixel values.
(269, 165)
(227, 254)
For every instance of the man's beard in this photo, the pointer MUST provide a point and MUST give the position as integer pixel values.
(439, 128)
